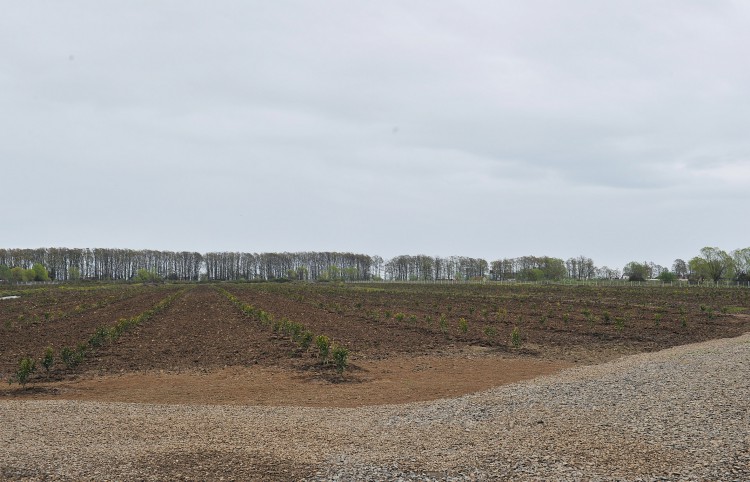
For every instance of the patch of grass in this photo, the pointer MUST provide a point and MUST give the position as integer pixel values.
(733, 309)
(657, 319)
(620, 323)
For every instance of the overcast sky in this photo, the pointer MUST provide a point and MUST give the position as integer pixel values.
(613, 129)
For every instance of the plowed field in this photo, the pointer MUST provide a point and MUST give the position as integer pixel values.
(407, 342)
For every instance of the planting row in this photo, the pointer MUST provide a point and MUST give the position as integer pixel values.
(72, 356)
(297, 332)
(61, 304)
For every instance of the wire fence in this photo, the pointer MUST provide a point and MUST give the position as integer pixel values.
(569, 282)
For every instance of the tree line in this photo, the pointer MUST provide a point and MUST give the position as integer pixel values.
(65, 264)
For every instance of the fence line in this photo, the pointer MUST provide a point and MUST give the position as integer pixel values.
(621, 283)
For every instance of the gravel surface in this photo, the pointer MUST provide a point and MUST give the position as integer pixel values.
(679, 414)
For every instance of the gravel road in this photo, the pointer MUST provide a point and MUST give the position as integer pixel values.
(679, 414)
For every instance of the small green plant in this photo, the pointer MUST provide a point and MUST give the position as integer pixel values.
(471, 310)
(99, 337)
(400, 317)
(620, 323)
(566, 317)
(683, 322)
(490, 331)
(48, 359)
(387, 315)
(501, 314)
(340, 357)
(26, 367)
(305, 339)
(428, 319)
(606, 317)
(413, 319)
(66, 354)
(515, 337)
(657, 319)
(71, 357)
(463, 325)
(443, 323)
(324, 347)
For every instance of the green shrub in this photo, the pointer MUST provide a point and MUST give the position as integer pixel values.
(66, 354)
(305, 339)
(463, 325)
(399, 317)
(515, 337)
(26, 367)
(443, 323)
(340, 355)
(324, 347)
(48, 359)
(72, 357)
(99, 337)
(620, 323)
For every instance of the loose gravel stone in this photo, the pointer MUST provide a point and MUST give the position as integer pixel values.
(678, 414)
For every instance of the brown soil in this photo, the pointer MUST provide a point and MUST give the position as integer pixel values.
(31, 338)
(203, 350)
(397, 380)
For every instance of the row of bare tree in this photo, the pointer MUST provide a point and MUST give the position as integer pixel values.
(124, 264)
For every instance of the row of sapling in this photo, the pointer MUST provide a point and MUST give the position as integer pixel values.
(59, 315)
(327, 350)
(297, 332)
(71, 357)
(462, 323)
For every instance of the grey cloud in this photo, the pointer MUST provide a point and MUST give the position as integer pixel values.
(480, 128)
